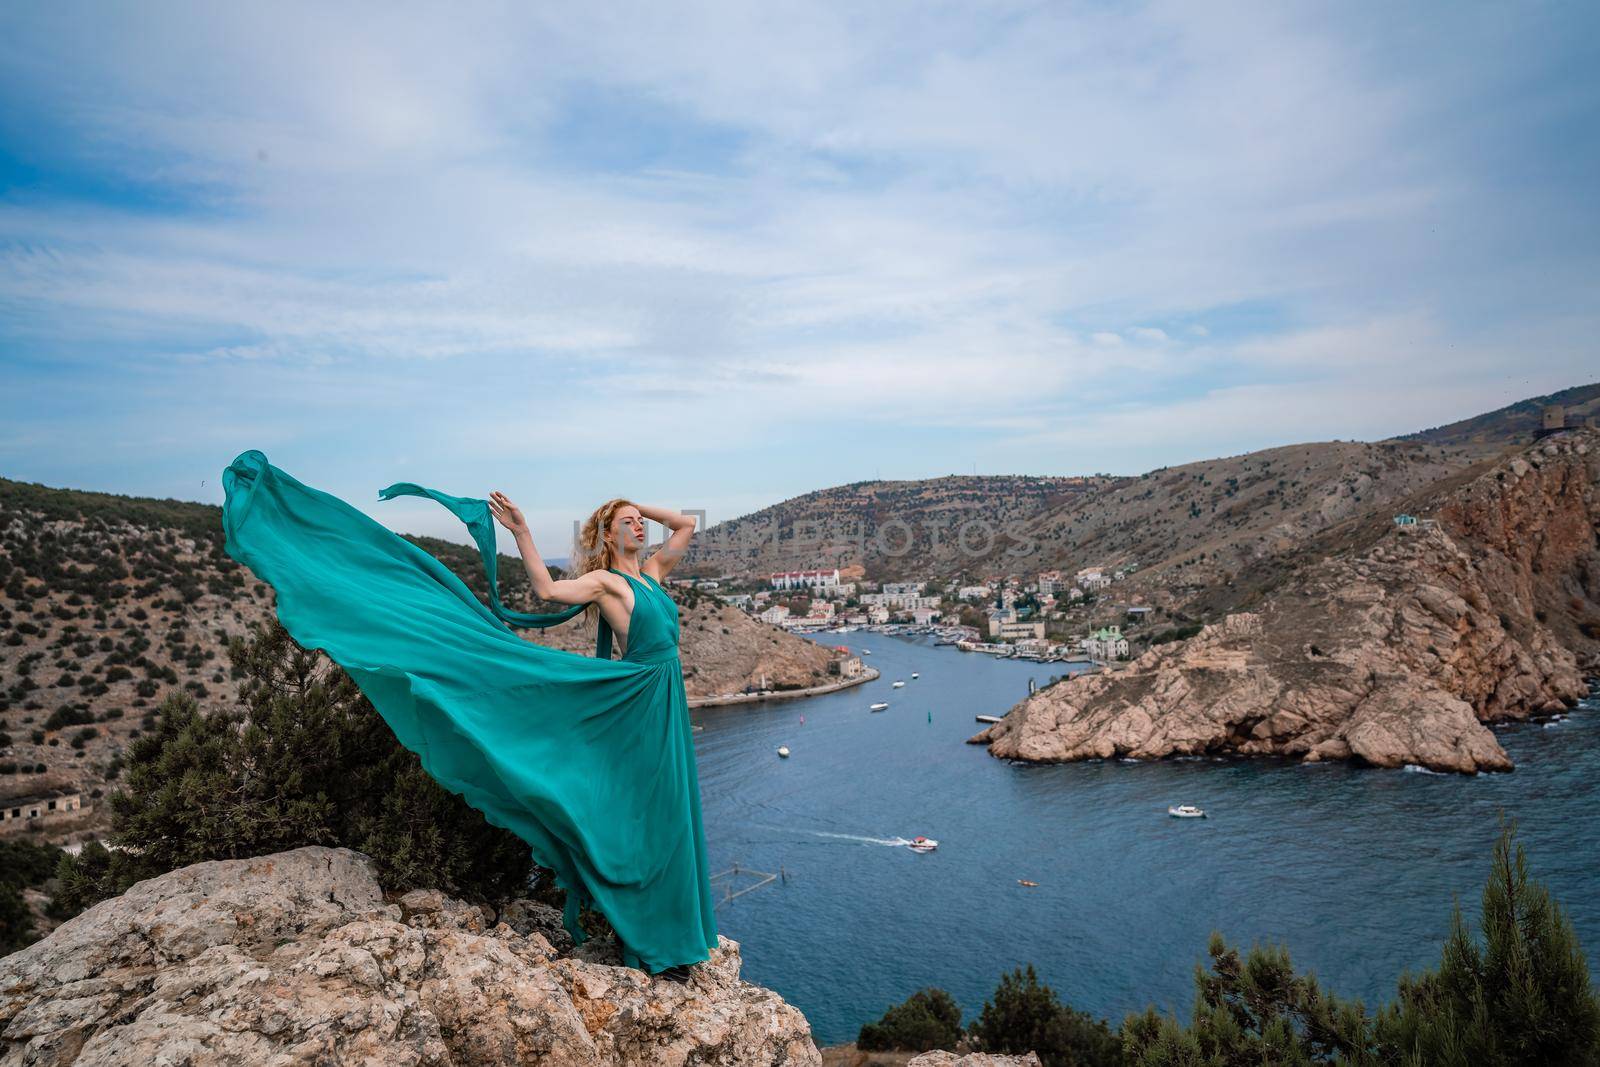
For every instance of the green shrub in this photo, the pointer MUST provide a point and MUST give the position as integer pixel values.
(16, 921)
(928, 1019)
(1025, 1015)
(83, 880)
(307, 760)
(68, 715)
(25, 863)
(1522, 998)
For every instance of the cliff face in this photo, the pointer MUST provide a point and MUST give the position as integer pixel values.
(1395, 653)
(723, 650)
(299, 958)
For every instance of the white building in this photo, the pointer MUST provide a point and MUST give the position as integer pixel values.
(923, 616)
(1012, 630)
(1106, 643)
(877, 614)
(904, 589)
(1051, 583)
(900, 601)
(820, 579)
(974, 592)
(1093, 578)
(775, 614)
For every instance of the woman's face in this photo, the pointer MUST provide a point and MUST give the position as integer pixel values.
(627, 529)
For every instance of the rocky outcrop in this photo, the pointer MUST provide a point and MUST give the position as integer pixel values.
(1395, 654)
(299, 958)
(724, 650)
(940, 1058)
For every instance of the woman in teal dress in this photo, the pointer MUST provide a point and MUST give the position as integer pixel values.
(588, 759)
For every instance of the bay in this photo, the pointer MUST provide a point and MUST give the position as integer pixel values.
(1354, 869)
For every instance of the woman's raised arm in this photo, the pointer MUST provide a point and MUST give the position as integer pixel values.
(667, 556)
(584, 589)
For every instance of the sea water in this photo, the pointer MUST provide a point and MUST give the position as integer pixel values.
(1353, 869)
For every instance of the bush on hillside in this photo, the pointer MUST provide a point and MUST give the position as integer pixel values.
(306, 760)
(1025, 1016)
(928, 1019)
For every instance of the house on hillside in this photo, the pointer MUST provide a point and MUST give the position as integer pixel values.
(41, 809)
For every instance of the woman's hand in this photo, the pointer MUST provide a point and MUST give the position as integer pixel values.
(507, 513)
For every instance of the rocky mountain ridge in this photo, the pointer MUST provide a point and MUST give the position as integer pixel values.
(1397, 651)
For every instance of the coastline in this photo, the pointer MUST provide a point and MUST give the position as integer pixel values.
(867, 674)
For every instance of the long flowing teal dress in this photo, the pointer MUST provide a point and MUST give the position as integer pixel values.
(589, 760)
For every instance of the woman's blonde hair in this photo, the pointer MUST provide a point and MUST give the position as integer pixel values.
(591, 551)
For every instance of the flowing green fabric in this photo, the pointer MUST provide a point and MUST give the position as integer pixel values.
(589, 760)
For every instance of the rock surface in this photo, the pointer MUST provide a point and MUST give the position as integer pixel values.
(1395, 652)
(299, 958)
(940, 1058)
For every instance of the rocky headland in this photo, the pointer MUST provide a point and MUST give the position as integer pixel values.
(300, 958)
(1396, 647)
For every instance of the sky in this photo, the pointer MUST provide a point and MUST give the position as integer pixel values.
(714, 255)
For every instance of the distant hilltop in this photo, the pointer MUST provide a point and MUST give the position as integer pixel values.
(1194, 526)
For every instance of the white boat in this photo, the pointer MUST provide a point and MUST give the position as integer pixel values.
(914, 674)
(783, 750)
(880, 705)
(922, 844)
(897, 685)
(866, 651)
(1185, 811)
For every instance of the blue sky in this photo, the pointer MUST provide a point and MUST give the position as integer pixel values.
(714, 255)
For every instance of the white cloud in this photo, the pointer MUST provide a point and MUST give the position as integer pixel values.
(937, 219)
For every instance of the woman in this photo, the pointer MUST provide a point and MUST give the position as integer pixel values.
(606, 559)
(628, 594)
(588, 759)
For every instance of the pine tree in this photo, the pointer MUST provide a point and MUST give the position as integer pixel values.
(928, 1019)
(1523, 997)
(1025, 1016)
(305, 760)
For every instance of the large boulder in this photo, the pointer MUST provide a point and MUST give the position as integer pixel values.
(299, 958)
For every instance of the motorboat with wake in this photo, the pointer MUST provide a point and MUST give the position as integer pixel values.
(922, 844)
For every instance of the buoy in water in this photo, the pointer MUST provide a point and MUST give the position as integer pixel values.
(783, 751)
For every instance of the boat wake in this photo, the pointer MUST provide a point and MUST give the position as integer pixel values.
(893, 842)
(897, 842)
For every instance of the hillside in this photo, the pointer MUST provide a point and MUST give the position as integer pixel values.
(1189, 530)
(1514, 423)
(1190, 527)
(107, 602)
(889, 528)
(1385, 645)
